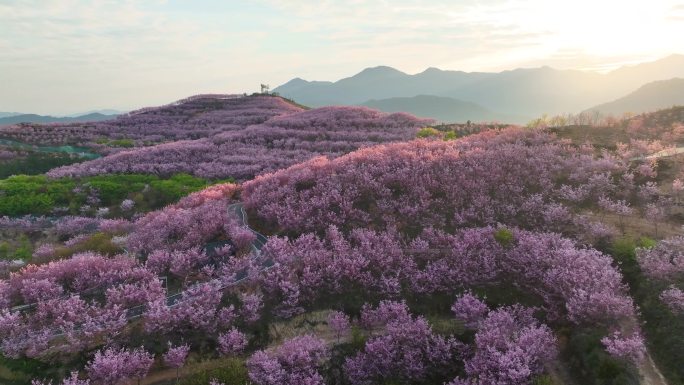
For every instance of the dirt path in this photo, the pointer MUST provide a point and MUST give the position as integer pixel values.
(162, 377)
(168, 376)
(648, 371)
(662, 154)
(650, 375)
(668, 152)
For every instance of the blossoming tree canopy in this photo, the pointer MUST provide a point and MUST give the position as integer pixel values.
(262, 142)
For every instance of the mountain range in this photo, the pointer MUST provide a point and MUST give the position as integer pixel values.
(441, 108)
(649, 97)
(523, 93)
(106, 111)
(14, 118)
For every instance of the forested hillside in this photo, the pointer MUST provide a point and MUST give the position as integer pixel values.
(349, 246)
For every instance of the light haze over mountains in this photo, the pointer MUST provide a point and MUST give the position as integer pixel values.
(652, 96)
(516, 95)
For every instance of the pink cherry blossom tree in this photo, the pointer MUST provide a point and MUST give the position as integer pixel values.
(631, 347)
(114, 366)
(297, 361)
(175, 357)
(232, 342)
(339, 323)
(470, 309)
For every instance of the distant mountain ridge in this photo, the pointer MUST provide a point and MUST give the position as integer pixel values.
(33, 118)
(649, 97)
(6, 114)
(527, 92)
(106, 111)
(441, 108)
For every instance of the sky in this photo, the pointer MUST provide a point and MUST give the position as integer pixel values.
(67, 56)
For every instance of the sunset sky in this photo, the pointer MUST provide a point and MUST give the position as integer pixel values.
(68, 56)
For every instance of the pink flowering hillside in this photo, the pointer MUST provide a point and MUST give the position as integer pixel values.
(497, 258)
(277, 143)
(523, 178)
(196, 117)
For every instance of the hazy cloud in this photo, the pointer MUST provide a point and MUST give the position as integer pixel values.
(676, 13)
(63, 56)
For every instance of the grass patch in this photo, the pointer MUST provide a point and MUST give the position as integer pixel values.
(39, 195)
(229, 371)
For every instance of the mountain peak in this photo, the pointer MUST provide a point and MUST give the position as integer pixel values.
(379, 70)
(296, 82)
(432, 70)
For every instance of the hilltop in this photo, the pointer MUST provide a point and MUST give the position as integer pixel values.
(238, 137)
(195, 117)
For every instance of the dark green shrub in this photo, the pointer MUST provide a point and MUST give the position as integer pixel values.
(100, 243)
(127, 143)
(543, 380)
(4, 250)
(232, 372)
(36, 163)
(591, 365)
(428, 132)
(358, 339)
(624, 249)
(451, 135)
(39, 195)
(446, 326)
(646, 242)
(504, 236)
(25, 249)
(27, 366)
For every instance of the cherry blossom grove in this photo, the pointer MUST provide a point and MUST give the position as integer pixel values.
(257, 148)
(375, 237)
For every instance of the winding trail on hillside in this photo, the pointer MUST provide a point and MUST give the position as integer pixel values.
(661, 154)
(650, 375)
(666, 153)
(222, 283)
(236, 210)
